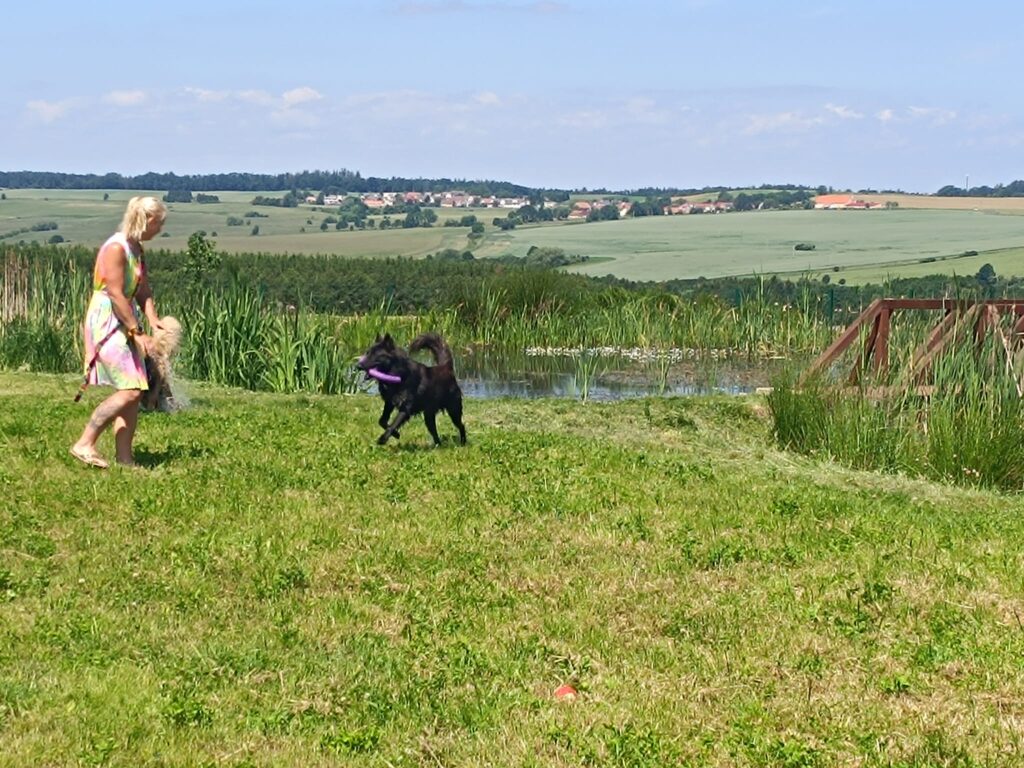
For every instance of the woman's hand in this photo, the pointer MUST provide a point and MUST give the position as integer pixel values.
(144, 342)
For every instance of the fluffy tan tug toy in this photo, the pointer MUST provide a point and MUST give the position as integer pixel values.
(159, 368)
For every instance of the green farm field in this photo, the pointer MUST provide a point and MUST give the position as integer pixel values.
(83, 217)
(1005, 261)
(865, 246)
(273, 589)
(666, 247)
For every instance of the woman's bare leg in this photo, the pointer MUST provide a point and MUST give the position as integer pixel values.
(104, 415)
(124, 431)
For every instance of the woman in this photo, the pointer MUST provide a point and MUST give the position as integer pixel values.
(115, 345)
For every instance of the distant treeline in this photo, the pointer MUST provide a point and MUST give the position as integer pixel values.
(346, 285)
(687, 191)
(339, 181)
(342, 180)
(353, 181)
(1013, 189)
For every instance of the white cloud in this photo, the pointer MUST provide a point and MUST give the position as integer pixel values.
(780, 122)
(583, 118)
(843, 112)
(48, 111)
(300, 96)
(885, 115)
(206, 95)
(487, 98)
(645, 110)
(125, 98)
(255, 96)
(421, 106)
(936, 115)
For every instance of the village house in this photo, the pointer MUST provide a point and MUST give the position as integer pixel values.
(580, 210)
(686, 207)
(457, 200)
(513, 202)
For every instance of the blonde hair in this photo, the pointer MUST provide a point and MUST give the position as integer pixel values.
(138, 213)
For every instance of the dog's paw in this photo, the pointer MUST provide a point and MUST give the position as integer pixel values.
(382, 439)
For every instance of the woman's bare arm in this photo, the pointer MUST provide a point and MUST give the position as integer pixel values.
(144, 296)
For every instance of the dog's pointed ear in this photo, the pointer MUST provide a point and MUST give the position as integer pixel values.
(388, 340)
(379, 339)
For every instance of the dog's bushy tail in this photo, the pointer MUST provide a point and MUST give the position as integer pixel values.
(432, 341)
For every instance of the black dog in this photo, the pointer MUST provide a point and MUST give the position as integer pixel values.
(422, 388)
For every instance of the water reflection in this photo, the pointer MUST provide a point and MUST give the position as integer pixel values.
(608, 378)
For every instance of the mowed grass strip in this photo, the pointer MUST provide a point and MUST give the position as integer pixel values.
(275, 589)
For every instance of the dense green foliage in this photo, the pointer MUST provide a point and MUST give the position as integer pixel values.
(339, 181)
(750, 201)
(178, 196)
(1013, 189)
(326, 284)
(238, 335)
(288, 200)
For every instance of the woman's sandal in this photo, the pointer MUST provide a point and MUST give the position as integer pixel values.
(92, 459)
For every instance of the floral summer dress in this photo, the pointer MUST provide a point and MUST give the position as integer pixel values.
(119, 363)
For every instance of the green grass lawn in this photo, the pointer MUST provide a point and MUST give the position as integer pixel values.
(274, 589)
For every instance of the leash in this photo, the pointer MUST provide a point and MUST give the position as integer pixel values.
(95, 359)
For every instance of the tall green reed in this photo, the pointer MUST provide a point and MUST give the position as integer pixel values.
(964, 427)
(235, 337)
(42, 303)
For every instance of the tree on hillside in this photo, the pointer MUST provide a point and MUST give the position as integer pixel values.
(201, 257)
(986, 275)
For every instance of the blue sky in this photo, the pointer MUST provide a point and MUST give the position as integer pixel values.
(558, 93)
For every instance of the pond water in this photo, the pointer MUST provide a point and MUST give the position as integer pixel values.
(604, 375)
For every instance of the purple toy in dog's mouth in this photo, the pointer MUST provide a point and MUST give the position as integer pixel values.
(387, 378)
